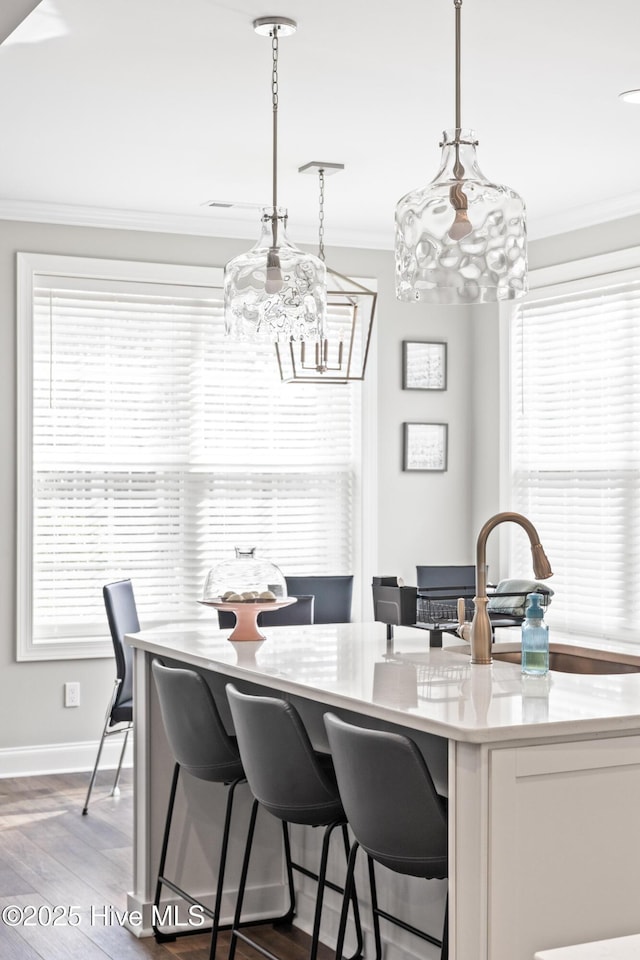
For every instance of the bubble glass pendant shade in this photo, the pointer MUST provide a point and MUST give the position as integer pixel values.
(275, 293)
(461, 239)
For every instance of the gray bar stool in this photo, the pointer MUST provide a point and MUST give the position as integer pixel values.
(296, 785)
(202, 747)
(394, 812)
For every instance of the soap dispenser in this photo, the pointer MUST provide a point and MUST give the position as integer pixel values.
(535, 638)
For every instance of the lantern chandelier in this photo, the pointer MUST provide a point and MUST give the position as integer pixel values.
(341, 352)
(274, 292)
(461, 239)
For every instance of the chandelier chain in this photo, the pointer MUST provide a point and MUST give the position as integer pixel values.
(274, 103)
(321, 216)
(274, 69)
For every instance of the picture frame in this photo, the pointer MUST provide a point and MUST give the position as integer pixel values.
(424, 365)
(425, 447)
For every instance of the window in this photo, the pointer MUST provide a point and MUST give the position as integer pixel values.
(575, 455)
(150, 446)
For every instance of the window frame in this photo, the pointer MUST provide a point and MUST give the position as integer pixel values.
(30, 265)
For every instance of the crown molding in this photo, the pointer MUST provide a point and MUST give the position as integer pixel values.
(243, 226)
(586, 215)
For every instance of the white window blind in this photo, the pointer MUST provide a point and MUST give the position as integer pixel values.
(575, 451)
(159, 445)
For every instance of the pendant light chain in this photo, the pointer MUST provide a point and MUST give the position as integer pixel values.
(274, 103)
(274, 292)
(321, 216)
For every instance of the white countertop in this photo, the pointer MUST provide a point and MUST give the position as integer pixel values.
(438, 690)
(622, 948)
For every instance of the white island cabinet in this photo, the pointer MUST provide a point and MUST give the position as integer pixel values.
(543, 781)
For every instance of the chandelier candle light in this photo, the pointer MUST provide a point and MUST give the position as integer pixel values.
(340, 353)
(461, 239)
(274, 292)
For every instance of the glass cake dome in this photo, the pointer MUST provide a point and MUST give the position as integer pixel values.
(246, 573)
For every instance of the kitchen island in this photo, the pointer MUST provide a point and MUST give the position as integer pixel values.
(542, 776)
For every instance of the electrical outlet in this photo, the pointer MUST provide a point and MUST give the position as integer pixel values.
(72, 694)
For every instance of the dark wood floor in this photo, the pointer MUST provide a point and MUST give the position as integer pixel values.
(51, 856)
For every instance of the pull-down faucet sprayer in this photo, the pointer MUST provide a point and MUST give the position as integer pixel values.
(481, 625)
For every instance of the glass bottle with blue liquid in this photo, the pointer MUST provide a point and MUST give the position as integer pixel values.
(535, 638)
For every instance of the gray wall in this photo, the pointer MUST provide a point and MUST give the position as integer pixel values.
(421, 518)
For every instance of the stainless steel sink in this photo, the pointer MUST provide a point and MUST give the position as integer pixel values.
(579, 660)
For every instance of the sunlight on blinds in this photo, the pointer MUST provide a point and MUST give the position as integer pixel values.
(575, 456)
(159, 445)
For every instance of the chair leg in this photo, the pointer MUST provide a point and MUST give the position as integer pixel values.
(222, 866)
(378, 912)
(85, 809)
(322, 874)
(354, 901)
(115, 790)
(287, 917)
(243, 881)
(374, 908)
(348, 894)
(444, 954)
(161, 937)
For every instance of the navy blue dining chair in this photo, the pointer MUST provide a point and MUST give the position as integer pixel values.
(333, 596)
(122, 617)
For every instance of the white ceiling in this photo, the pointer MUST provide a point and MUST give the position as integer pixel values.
(145, 109)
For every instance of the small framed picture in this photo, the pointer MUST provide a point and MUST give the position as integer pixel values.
(424, 365)
(425, 446)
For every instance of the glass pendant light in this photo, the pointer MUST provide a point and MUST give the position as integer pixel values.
(340, 354)
(274, 291)
(461, 239)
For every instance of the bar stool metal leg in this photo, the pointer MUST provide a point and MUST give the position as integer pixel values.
(322, 874)
(162, 937)
(321, 878)
(374, 908)
(214, 914)
(445, 932)
(291, 912)
(349, 893)
(354, 900)
(235, 926)
(221, 869)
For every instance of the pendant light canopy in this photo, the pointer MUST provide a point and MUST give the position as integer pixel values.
(462, 238)
(340, 354)
(274, 291)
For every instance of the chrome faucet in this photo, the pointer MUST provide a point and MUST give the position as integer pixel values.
(481, 634)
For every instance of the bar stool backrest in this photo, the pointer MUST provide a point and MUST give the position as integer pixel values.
(196, 734)
(389, 798)
(282, 770)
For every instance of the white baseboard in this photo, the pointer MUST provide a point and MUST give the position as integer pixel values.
(62, 757)
(262, 902)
